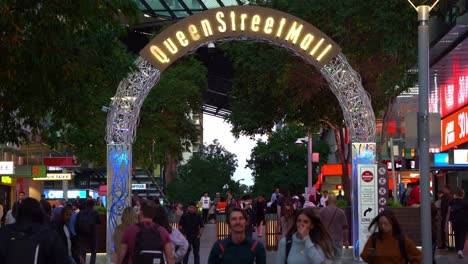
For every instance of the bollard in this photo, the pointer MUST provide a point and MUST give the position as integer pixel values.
(450, 235)
(271, 232)
(222, 228)
(174, 219)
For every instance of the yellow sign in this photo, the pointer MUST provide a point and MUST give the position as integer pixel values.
(7, 180)
(55, 177)
(240, 21)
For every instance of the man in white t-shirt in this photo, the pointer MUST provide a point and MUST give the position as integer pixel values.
(205, 202)
(324, 199)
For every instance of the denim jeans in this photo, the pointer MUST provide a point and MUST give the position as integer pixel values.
(195, 244)
(86, 242)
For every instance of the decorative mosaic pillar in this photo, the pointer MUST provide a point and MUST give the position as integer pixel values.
(363, 154)
(119, 170)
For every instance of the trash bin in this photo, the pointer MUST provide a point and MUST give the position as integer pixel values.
(271, 232)
(222, 228)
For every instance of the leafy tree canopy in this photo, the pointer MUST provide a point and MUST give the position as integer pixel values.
(279, 162)
(377, 37)
(207, 171)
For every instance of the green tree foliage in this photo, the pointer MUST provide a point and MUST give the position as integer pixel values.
(279, 162)
(207, 171)
(60, 62)
(166, 115)
(377, 37)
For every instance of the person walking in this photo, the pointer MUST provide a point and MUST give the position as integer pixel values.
(192, 226)
(336, 224)
(146, 242)
(68, 239)
(85, 226)
(205, 203)
(287, 215)
(458, 215)
(323, 199)
(129, 217)
(30, 238)
(259, 210)
(444, 206)
(178, 240)
(21, 197)
(388, 244)
(46, 206)
(415, 196)
(237, 247)
(306, 242)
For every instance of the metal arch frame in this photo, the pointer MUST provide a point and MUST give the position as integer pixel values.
(345, 83)
(125, 107)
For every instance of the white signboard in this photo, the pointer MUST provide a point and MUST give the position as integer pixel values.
(368, 200)
(7, 167)
(55, 177)
(138, 186)
(460, 156)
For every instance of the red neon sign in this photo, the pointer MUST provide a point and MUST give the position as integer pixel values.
(454, 92)
(455, 129)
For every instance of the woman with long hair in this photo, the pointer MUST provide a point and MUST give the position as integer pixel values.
(180, 242)
(388, 244)
(306, 242)
(129, 217)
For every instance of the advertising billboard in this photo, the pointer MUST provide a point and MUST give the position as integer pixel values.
(455, 129)
(454, 90)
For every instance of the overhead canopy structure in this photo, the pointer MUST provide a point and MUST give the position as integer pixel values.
(161, 12)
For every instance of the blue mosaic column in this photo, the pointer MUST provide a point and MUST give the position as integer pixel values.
(363, 153)
(119, 171)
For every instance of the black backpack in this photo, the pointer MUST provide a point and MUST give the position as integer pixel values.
(148, 246)
(86, 222)
(25, 247)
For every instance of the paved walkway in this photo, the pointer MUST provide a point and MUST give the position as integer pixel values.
(209, 237)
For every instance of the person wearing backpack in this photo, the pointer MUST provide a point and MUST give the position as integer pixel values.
(30, 239)
(146, 242)
(85, 227)
(388, 244)
(237, 247)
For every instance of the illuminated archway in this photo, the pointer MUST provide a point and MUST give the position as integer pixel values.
(224, 24)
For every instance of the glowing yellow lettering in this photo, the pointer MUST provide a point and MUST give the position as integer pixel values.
(255, 23)
(206, 27)
(219, 17)
(316, 47)
(269, 25)
(280, 29)
(170, 46)
(233, 21)
(305, 44)
(324, 52)
(294, 32)
(194, 32)
(243, 18)
(182, 39)
(159, 54)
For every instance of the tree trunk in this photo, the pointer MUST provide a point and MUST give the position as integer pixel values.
(344, 150)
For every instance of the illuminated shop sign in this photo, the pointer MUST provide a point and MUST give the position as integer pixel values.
(454, 92)
(455, 129)
(138, 186)
(460, 156)
(55, 177)
(7, 167)
(6, 180)
(240, 21)
(441, 159)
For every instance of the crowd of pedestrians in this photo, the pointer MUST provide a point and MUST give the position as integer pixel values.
(312, 230)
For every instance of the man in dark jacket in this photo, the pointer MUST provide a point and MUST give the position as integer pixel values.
(191, 225)
(46, 206)
(85, 226)
(19, 242)
(444, 205)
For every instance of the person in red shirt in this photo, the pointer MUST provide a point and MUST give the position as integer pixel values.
(146, 215)
(415, 195)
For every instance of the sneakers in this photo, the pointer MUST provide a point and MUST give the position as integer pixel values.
(460, 254)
